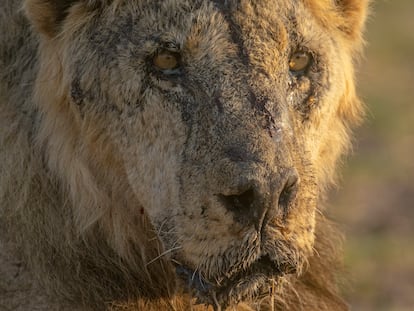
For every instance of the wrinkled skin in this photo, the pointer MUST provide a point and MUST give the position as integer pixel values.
(224, 156)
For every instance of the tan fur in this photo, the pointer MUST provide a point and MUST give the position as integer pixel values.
(116, 176)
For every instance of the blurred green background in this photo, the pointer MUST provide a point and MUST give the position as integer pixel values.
(375, 202)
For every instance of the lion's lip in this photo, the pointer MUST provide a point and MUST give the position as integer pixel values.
(233, 288)
(264, 266)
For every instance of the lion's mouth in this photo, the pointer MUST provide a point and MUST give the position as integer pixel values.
(253, 282)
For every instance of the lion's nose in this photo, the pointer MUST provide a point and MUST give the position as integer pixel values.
(256, 199)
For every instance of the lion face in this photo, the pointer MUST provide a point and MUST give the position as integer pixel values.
(220, 116)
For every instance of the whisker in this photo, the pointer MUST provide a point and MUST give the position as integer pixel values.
(163, 254)
(272, 293)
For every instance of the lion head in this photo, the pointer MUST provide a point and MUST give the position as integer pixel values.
(192, 141)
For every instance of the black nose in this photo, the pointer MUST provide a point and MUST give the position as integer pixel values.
(252, 203)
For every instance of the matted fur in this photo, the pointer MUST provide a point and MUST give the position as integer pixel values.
(113, 172)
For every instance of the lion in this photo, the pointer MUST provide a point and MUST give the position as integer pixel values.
(173, 155)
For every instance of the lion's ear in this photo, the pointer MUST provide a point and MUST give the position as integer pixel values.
(353, 13)
(346, 15)
(47, 15)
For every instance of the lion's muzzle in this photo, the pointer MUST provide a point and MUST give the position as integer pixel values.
(256, 200)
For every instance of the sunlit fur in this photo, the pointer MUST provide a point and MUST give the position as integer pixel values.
(104, 181)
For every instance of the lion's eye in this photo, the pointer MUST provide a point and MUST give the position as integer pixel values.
(166, 60)
(299, 62)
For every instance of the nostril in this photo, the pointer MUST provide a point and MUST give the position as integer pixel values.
(240, 204)
(288, 193)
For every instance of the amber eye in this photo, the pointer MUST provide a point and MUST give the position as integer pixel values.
(166, 60)
(299, 62)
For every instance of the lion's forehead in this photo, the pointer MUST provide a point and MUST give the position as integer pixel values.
(260, 26)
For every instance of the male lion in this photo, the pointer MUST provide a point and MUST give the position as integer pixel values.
(172, 154)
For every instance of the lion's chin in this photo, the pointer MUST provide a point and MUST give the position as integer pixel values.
(257, 281)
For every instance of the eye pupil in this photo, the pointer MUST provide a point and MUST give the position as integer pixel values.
(299, 62)
(166, 60)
